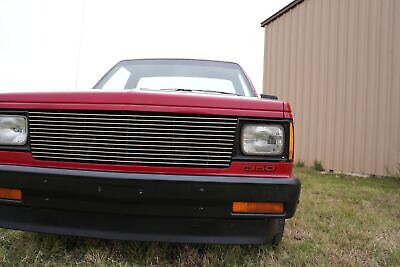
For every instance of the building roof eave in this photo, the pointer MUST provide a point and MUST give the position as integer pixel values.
(285, 9)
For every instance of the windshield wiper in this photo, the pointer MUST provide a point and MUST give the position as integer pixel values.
(190, 90)
(166, 89)
(176, 90)
(213, 91)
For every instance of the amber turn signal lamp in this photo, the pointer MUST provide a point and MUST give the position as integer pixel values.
(257, 207)
(291, 141)
(10, 194)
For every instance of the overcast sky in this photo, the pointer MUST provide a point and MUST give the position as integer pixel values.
(61, 45)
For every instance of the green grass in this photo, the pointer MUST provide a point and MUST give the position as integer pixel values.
(341, 220)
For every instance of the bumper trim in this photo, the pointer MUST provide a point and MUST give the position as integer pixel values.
(148, 207)
(154, 229)
(146, 194)
(146, 176)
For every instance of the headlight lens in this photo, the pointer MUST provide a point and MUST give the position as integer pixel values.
(13, 130)
(262, 139)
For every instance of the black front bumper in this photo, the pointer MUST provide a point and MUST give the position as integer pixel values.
(149, 207)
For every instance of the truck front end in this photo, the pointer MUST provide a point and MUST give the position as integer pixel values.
(173, 165)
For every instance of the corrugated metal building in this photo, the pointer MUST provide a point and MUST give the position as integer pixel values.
(338, 63)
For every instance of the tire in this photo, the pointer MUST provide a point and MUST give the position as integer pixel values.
(280, 227)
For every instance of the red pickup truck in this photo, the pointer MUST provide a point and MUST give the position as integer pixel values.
(170, 150)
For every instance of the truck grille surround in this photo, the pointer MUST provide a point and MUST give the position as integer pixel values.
(132, 138)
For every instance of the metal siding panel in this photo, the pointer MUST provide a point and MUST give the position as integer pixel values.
(322, 68)
(328, 160)
(327, 84)
(300, 120)
(383, 85)
(312, 76)
(306, 82)
(297, 89)
(274, 55)
(284, 55)
(294, 88)
(395, 91)
(291, 90)
(340, 108)
(350, 115)
(297, 94)
(378, 92)
(271, 67)
(267, 59)
(295, 78)
(388, 145)
(361, 73)
(371, 87)
(281, 34)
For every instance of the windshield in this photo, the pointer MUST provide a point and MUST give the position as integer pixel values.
(178, 75)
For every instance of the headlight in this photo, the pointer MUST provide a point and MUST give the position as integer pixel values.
(13, 130)
(262, 139)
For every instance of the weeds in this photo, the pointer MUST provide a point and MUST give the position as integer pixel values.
(318, 166)
(300, 164)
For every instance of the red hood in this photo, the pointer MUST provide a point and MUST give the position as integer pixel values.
(146, 101)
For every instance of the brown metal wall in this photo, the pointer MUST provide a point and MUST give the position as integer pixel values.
(338, 63)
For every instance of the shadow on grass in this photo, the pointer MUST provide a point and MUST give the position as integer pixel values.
(35, 248)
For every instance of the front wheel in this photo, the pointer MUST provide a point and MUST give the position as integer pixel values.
(279, 226)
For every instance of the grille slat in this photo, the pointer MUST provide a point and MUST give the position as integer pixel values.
(113, 137)
(135, 152)
(144, 130)
(132, 138)
(191, 164)
(138, 146)
(113, 125)
(138, 143)
(133, 157)
(42, 114)
(142, 121)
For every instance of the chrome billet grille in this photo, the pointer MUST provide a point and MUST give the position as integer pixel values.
(132, 138)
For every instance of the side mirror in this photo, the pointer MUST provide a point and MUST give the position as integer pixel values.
(272, 97)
